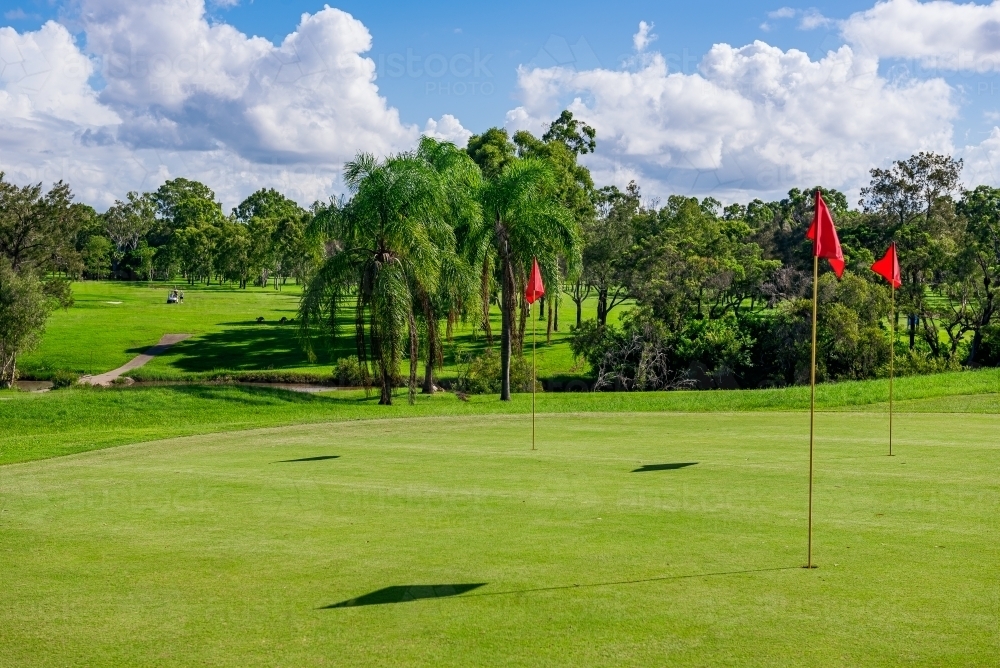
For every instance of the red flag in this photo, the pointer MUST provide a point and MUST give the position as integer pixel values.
(535, 288)
(824, 237)
(888, 267)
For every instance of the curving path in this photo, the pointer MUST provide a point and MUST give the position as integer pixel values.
(108, 377)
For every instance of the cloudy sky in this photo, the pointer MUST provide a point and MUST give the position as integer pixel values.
(729, 99)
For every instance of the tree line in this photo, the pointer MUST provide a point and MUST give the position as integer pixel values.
(712, 295)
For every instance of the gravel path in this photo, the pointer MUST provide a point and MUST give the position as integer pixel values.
(136, 362)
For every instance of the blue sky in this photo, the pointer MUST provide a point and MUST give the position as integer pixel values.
(687, 104)
(506, 37)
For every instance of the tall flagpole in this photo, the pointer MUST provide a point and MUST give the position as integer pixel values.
(892, 359)
(533, 375)
(812, 406)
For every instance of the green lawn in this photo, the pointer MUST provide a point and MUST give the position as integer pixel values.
(62, 422)
(240, 525)
(111, 322)
(446, 541)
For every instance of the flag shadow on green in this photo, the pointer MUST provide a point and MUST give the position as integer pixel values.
(663, 467)
(405, 593)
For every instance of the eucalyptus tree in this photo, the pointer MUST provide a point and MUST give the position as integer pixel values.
(521, 220)
(24, 309)
(38, 230)
(392, 236)
(127, 223)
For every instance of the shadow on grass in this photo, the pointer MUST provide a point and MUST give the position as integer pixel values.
(245, 348)
(663, 467)
(416, 592)
(405, 593)
(307, 459)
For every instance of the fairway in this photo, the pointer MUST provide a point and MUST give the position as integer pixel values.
(119, 320)
(626, 539)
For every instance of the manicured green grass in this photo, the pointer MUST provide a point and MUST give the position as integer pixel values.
(230, 549)
(111, 322)
(63, 422)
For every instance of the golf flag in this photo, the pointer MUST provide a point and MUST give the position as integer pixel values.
(888, 267)
(824, 237)
(535, 289)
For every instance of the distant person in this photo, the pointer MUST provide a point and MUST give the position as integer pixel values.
(181, 297)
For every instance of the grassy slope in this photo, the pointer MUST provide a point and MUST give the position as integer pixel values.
(215, 550)
(97, 335)
(37, 426)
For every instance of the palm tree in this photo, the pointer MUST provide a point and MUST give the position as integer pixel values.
(392, 235)
(521, 220)
(456, 294)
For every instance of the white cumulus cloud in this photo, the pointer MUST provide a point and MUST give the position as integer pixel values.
(939, 34)
(752, 119)
(644, 37)
(183, 96)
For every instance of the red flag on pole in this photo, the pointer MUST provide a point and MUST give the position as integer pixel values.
(824, 237)
(888, 267)
(535, 289)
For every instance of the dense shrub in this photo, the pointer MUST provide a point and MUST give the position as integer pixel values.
(758, 349)
(348, 372)
(481, 375)
(61, 379)
(989, 350)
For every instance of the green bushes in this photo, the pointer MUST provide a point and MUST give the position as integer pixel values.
(481, 375)
(347, 372)
(61, 379)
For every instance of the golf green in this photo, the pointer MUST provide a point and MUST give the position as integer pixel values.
(625, 539)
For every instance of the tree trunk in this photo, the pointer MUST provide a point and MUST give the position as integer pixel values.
(911, 321)
(556, 309)
(522, 322)
(414, 354)
(548, 329)
(506, 311)
(428, 387)
(487, 328)
(602, 306)
(579, 312)
(977, 340)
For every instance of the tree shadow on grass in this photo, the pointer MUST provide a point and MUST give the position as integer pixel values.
(663, 467)
(405, 593)
(307, 459)
(247, 348)
(249, 395)
(256, 395)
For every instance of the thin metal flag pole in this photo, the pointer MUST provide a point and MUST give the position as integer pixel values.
(812, 407)
(892, 358)
(533, 374)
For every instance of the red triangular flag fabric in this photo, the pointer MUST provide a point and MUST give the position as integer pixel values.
(824, 237)
(888, 267)
(535, 289)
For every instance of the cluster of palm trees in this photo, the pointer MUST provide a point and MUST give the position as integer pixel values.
(427, 237)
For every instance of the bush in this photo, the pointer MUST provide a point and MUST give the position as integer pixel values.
(482, 374)
(61, 379)
(989, 351)
(919, 362)
(347, 372)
